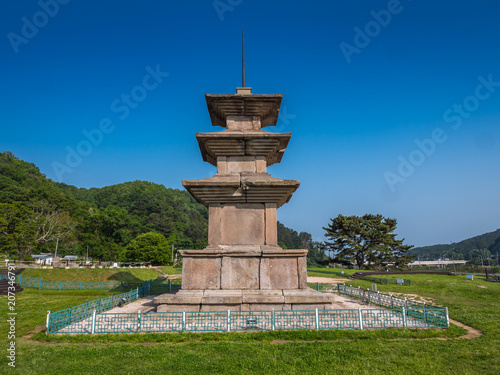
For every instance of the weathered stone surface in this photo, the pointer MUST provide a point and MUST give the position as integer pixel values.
(221, 165)
(273, 251)
(265, 276)
(181, 297)
(201, 273)
(177, 308)
(243, 123)
(238, 164)
(311, 306)
(222, 297)
(241, 250)
(302, 272)
(261, 164)
(307, 296)
(279, 273)
(263, 296)
(266, 306)
(271, 224)
(240, 273)
(242, 224)
(214, 221)
(220, 307)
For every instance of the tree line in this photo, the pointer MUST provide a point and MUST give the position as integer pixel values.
(141, 221)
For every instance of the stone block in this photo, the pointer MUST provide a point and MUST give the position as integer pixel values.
(214, 219)
(302, 272)
(177, 308)
(263, 296)
(201, 273)
(271, 225)
(261, 164)
(321, 306)
(254, 251)
(181, 297)
(242, 224)
(307, 296)
(240, 273)
(238, 164)
(221, 164)
(243, 122)
(266, 306)
(279, 273)
(220, 307)
(265, 277)
(222, 297)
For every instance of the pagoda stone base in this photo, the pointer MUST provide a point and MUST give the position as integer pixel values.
(243, 300)
(244, 278)
(241, 267)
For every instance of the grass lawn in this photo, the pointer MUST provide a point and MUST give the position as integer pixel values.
(130, 275)
(475, 303)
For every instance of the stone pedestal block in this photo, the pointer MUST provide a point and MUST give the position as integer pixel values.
(242, 224)
(240, 273)
(201, 272)
(244, 300)
(279, 273)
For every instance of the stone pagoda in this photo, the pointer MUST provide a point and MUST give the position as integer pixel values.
(243, 268)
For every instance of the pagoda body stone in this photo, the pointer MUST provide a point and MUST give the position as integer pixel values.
(243, 268)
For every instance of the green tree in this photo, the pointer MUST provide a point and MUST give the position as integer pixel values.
(366, 241)
(17, 229)
(149, 247)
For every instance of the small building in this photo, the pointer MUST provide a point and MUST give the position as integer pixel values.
(44, 259)
(71, 258)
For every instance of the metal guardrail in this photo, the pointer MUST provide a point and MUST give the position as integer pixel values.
(226, 321)
(75, 315)
(400, 313)
(380, 280)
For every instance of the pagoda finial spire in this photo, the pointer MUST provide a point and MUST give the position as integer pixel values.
(243, 57)
(243, 90)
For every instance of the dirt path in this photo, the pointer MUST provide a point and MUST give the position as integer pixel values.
(472, 333)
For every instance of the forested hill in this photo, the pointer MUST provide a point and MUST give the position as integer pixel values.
(36, 212)
(487, 244)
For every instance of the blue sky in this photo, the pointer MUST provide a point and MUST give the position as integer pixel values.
(394, 106)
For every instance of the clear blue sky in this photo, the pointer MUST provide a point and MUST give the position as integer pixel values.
(394, 106)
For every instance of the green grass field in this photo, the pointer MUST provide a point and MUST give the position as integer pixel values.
(130, 275)
(475, 303)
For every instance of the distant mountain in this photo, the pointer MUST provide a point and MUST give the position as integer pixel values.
(487, 244)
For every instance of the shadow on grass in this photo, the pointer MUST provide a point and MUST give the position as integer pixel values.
(125, 277)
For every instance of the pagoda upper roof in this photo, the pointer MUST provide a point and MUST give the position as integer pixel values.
(265, 106)
(243, 143)
(242, 188)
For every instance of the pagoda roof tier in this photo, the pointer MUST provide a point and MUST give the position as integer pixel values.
(241, 188)
(267, 107)
(238, 143)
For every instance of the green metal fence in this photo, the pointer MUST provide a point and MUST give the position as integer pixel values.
(323, 287)
(225, 321)
(419, 311)
(380, 280)
(88, 318)
(76, 317)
